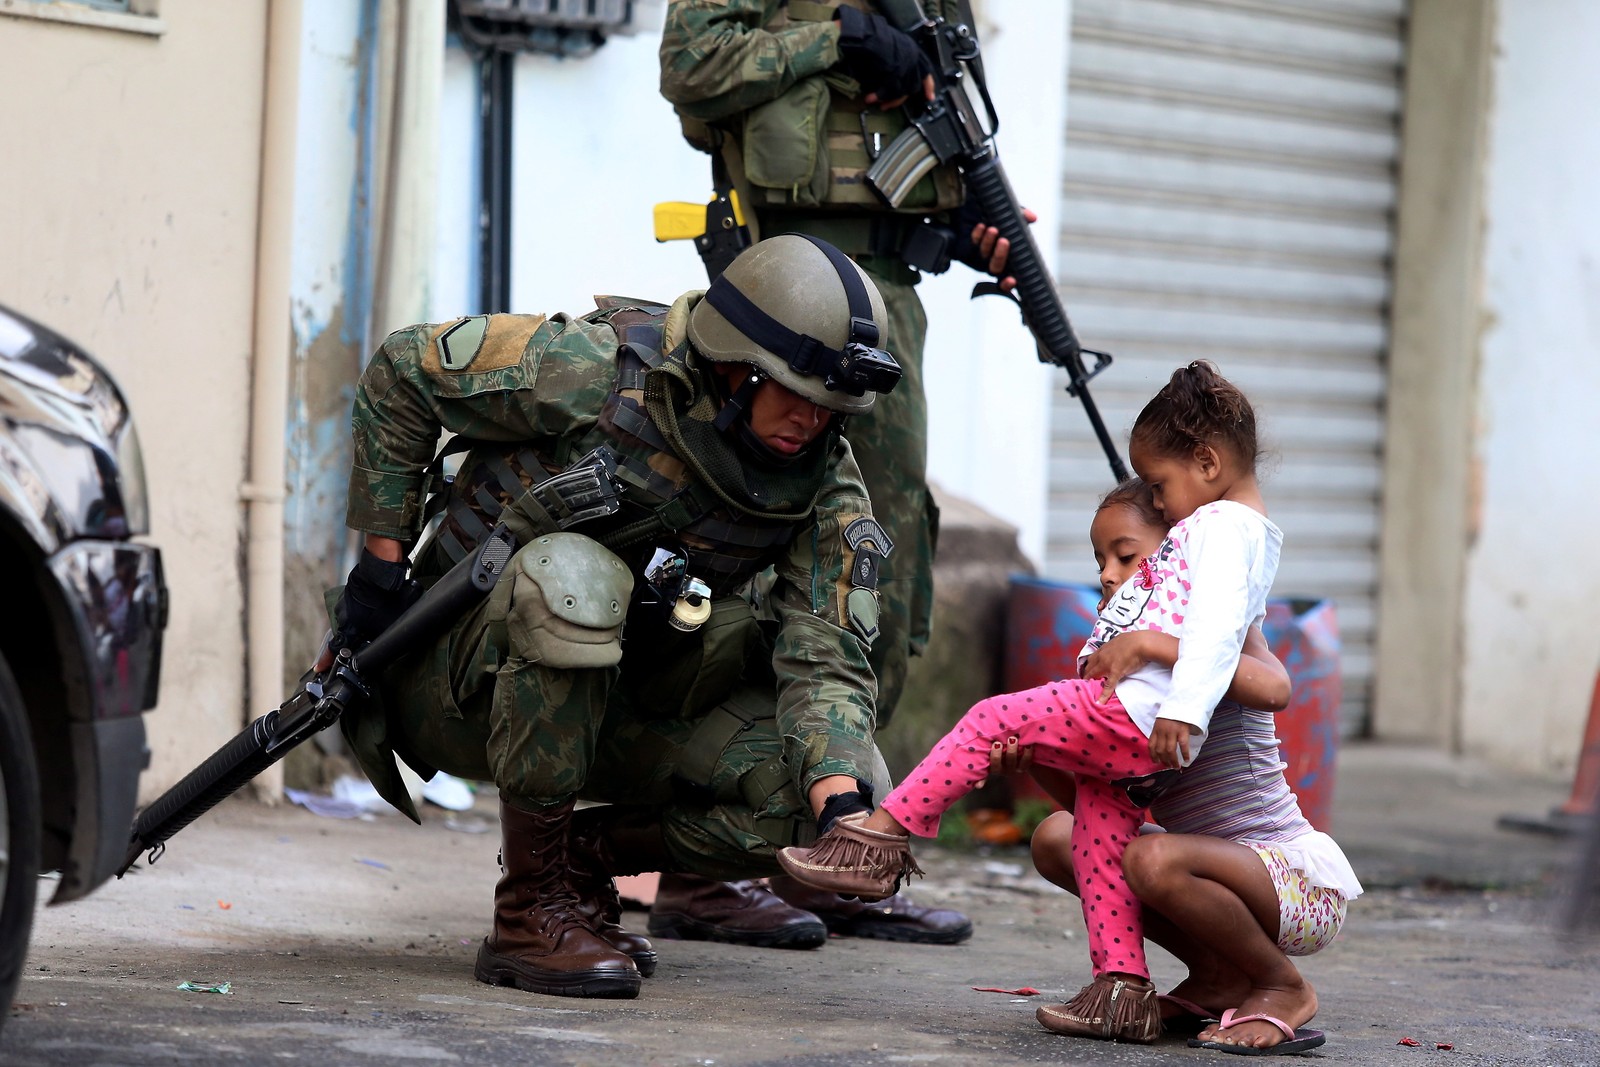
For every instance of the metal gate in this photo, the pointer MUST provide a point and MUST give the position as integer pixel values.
(1229, 190)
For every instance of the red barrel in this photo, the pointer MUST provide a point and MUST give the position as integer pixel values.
(1047, 623)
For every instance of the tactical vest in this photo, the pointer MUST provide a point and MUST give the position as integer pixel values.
(729, 516)
(810, 147)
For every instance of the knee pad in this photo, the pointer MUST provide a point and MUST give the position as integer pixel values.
(562, 602)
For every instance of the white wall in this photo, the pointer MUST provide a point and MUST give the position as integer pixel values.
(597, 147)
(1531, 646)
(128, 205)
(454, 286)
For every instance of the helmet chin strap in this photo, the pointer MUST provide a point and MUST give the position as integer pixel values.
(735, 415)
(736, 405)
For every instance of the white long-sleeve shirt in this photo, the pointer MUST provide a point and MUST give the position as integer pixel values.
(1206, 586)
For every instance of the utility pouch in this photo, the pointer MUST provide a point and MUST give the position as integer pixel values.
(927, 248)
(701, 758)
(682, 675)
(586, 490)
(728, 637)
(785, 147)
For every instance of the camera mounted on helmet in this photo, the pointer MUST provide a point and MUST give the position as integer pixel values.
(859, 366)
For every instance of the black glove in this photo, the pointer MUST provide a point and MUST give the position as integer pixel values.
(883, 59)
(376, 594)
(837, 804)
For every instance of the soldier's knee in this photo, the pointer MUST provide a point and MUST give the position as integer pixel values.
(562, 603)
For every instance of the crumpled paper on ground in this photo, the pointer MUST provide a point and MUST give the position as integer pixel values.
(352, 797)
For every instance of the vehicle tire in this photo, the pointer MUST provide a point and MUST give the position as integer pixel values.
(19, 837)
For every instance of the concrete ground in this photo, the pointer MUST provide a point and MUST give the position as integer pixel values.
(352, 943)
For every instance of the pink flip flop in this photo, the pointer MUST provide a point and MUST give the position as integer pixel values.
(1293, 1040)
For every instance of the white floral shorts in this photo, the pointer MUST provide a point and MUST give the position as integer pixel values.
(1309, 916)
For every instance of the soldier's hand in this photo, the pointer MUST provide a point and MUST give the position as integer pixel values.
(995, 250)
(890, 105)
(887, 62)
(981, 247)
(376, 594)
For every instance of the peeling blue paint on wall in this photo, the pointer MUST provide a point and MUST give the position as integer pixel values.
(333, 329)
(332, 296)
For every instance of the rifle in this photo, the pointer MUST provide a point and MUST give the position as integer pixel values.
(951, 129)
(321, 701)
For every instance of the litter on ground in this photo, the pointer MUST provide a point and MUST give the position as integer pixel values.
(197, 987)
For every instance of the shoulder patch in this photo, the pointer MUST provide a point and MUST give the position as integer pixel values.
(481, 343)
(867, 529)
(861, 608)
(458, 346)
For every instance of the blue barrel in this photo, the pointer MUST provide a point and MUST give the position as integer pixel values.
(1047, 623)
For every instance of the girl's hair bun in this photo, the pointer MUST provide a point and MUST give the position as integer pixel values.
(1198, 406)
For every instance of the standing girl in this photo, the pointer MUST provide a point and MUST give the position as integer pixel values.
(1195, 445)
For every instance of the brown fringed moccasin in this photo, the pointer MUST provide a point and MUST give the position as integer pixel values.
(852, 860)
(1108, 1008)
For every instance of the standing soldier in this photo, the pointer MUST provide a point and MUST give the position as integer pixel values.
(796, 99)
(651, 461)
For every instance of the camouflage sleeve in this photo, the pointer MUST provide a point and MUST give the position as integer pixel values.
(826, 689)
(491, 377)
(717, 59)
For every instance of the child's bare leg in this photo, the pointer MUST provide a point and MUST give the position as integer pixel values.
(1213, 983)
(1219, 893)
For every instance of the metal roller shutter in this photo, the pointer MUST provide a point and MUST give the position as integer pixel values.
(1229, 191)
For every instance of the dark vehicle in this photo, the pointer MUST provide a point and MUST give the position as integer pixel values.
(82, 607)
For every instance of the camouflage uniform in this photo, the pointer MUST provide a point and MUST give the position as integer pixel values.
(793, 695)
(794, 136)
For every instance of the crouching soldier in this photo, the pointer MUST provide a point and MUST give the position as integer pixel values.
(652, 462)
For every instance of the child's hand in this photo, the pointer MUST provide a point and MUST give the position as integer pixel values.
(1008, 758)
(1169, 743)
(1114, 661)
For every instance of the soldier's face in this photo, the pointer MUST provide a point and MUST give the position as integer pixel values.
(782, 419)
(785, 421)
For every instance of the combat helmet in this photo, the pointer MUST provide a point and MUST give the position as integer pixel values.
(800, 312)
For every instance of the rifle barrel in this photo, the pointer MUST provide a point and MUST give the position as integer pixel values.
(223, 772)
(271, 737)
(1046, 318)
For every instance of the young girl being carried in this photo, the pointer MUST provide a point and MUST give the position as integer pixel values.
(1195, 445)
(1240, 882)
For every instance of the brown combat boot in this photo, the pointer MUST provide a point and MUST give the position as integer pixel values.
(594, 867)
(691, 908)
(541, 941)
(890, 919)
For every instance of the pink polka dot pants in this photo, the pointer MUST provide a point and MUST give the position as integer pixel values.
(1067, 730)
